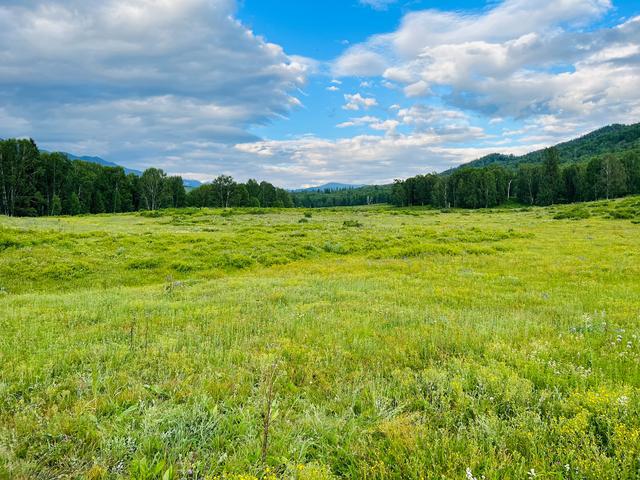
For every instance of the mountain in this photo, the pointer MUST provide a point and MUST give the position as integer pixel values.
(100, 161)
(331, 187)
(610, 139)
(105, 163)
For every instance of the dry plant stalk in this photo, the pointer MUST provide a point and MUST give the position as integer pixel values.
(270, 380)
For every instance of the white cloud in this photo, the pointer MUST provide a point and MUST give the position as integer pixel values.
(360, 61)
(359, 121)
(357, 102)
(378, 4)
(387, 126)
(417, 89)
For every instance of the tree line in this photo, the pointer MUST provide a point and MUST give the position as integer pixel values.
(601, 177)
(35, 183)
(369, 195)
(225, 192)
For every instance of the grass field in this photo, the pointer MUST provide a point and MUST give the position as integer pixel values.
(367, 343)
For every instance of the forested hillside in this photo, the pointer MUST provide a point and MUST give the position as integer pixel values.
(604, 176)
(35, 183)
(610, 139)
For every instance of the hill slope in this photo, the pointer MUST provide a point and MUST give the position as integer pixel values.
(610, 139)
(105, 163)
(100, 161)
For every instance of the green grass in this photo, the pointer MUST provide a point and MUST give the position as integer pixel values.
(407, 344)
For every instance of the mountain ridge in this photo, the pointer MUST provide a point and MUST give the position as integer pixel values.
(106, 163)
(609, 139)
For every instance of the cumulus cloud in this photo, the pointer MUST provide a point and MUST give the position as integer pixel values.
(360, 60)
(142, 77)
(357, 101)
(388, 126)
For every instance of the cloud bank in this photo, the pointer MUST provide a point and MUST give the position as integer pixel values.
(139, 80)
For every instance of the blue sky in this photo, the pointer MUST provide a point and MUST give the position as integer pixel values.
(302, 93)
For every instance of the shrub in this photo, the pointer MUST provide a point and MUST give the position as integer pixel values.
(6, 242)
(65, 271)
(237, 261)
(338, 248)
(623, 214)
(577, 213)
(151, 213)
(351, 224)
(182, 267)
(144, 264)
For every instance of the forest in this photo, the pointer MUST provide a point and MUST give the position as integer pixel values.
(36, 183)
(602, 177)
(368, 195)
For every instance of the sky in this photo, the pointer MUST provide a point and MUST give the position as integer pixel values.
(300, 92)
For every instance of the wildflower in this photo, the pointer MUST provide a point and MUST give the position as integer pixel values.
(471, 477)
(623, 400)
(531, 473)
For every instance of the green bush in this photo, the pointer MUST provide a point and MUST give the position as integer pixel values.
(351, 224)
(578, 213)
(331, 247)
(144, 264)
(151, 213)
(623, 213)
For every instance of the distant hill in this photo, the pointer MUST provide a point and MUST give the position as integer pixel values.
(105, 163)
(610, 139)
(331, 187)
(100, 161)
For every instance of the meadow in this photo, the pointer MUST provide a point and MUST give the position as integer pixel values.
(356, 343)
